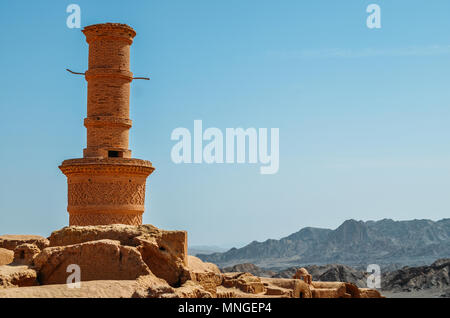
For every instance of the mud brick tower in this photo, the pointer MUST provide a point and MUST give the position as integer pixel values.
(107, 186)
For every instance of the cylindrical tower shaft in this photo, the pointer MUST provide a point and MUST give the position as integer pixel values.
(109, 78)
(107, 186)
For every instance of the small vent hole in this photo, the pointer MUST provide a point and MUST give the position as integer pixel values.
(115, 154)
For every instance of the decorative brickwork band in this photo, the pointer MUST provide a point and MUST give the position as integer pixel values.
(106, 218)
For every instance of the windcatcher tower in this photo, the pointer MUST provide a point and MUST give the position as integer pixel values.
(107, 186)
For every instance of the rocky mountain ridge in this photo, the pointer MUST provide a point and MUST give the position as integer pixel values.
(383, 242)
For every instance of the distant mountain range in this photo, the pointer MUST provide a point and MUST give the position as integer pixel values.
(355, 243)
(205, 249)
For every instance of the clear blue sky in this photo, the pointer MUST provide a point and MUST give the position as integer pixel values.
(363, 114)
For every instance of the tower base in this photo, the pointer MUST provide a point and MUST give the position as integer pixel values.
(104, 191)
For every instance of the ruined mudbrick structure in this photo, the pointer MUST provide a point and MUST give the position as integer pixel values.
(107, 186)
